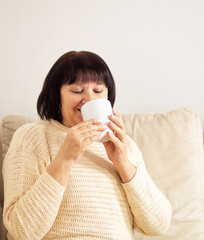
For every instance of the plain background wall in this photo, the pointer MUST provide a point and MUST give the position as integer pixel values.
(154, 49)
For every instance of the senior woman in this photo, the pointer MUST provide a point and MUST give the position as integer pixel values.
(60, 183)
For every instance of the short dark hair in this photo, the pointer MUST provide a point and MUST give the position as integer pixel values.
(70, 68)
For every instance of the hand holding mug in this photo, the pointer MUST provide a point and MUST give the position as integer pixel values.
(117, 148)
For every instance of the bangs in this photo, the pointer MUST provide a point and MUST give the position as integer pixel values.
(89, 76)
(86, 75)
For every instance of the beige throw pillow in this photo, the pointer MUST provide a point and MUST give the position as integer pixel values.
(9, 125)
(172, 147)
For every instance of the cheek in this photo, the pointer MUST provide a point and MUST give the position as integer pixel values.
(106, 94)
(75, 102)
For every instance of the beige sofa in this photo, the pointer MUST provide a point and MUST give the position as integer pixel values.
(172, 147)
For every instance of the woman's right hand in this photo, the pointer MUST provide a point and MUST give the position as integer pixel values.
(78, 138)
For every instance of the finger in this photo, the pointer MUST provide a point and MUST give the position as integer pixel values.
(89, 129)
(88, 122)
(117, 119)
(92, 124)
(115, 112)
(114, 139)
(119, 133)
(93, 138)
(92, 132)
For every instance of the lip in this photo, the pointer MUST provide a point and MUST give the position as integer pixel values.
(79, 114)
(78, 110)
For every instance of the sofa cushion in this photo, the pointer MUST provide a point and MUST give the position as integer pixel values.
(172, 147)
(10, 124)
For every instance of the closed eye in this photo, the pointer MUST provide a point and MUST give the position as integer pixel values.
(78, 92)
(98, 91)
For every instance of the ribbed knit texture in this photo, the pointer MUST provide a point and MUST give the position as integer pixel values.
(94, 205)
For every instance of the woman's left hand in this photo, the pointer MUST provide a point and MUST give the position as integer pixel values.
(117, 148)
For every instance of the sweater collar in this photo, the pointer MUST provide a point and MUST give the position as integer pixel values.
(59, 125)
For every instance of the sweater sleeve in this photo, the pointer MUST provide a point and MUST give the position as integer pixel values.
(151, 210)
(32, 196)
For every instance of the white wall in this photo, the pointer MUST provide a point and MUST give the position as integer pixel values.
(153, 47)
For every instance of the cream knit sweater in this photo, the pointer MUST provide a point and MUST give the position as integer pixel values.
(94, 204)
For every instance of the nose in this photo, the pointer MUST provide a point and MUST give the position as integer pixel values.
(88, 97)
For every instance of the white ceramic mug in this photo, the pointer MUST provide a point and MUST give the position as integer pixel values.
(99, 109)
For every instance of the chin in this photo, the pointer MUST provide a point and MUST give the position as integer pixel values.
(77, 121)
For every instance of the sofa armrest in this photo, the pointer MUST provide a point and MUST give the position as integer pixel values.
(1, 162)
(3, 231)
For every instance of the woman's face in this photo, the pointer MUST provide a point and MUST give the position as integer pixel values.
(74, 96)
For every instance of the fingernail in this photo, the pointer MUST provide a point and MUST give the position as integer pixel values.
(112, 116)
(111, 123)
(103, 134)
